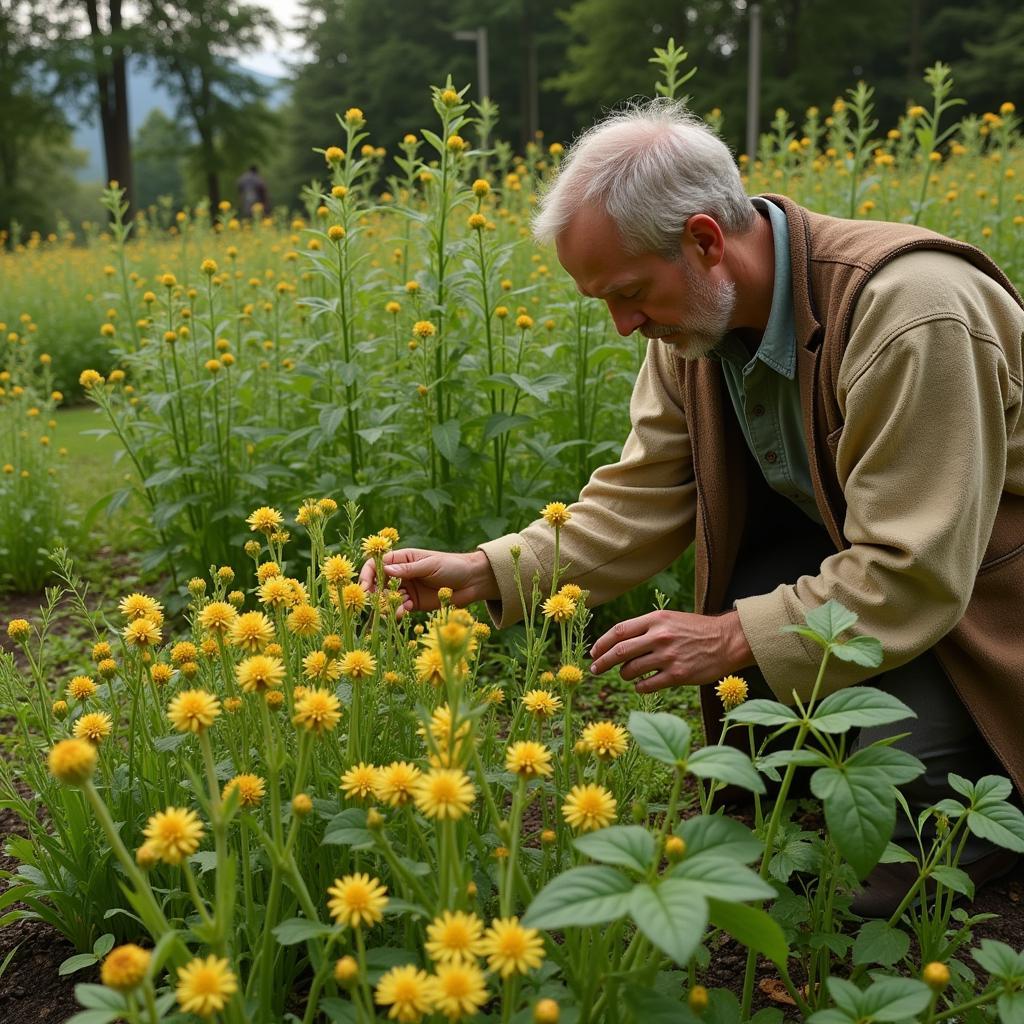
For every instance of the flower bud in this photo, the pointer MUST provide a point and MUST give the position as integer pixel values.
(545, 1011)
(302, 805)
(935, 975)
(698, 999)
(346, 970)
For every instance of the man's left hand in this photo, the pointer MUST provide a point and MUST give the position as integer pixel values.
(679, 647)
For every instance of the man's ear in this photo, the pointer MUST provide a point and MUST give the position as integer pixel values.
(704, 233)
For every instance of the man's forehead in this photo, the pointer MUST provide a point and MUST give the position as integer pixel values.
(590, 249)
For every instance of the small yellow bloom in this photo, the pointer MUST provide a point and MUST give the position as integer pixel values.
(357, 900)
(546, 1011)
(124, 967)
(698, 999)
(260, 673)
(444, 793)
(358, 664)
(458, 990)
(318, 711)
(406, 990)
(935, 975)
(512, 949)
(205, 987)
(360, 781)
(193, 710)
(18, 629)
(142, 633)
(175, 834)
(529, 759)
(72, 761)
(542, 703)
(251, 631)
(732, 691)
(334, 154)
(251, 789)
(606, 740)
(570, 675)
(265, 519)
(424, 329)
(556, 513)
(302, 805)
(217, 617)
(589, 807)
(395, 783)
(354, 597)
(81, 688)
(94, 727)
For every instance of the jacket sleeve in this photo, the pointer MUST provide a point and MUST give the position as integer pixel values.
(930, 401)
(632, 518)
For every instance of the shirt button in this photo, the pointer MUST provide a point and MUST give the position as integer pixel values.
(758, 410)
(771, 457)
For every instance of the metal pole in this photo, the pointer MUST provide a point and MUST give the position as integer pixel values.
(482, 68)
(753, 81)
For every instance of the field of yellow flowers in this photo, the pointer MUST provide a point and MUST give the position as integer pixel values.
(271, 797)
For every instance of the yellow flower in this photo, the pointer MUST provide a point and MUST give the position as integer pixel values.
(302, 805)
(251, 631)
(193, 710)
(251, 789)
(571, 591)
(481, 187)
(360, 781)
(175, 834)
(125, 967)
(698, 999)
(589, 807)
(318, 666)
(456, 143)
(205, 987)
(183, 651)
(458, 990)
(358, 664)
(732, 691)
(277, 592)
(354, 116)
(101, 650)
(318, 711)
(304, 620)
(935, 975)
(60, 710)
(454, 937)
(94, 727)
(560, 608)
(570, 675)
(407, 991)
(357, 900)
(265, 519)
(424, 329)
(444, 793)
(375, 545)
(81, 688)
(142, 633)
(606, 739)
(546, 1011)
(208, 267)
(524, 322)
(528, 759)
(337, 569)
(556, 513)
(541, 702)
(88, 379)
(217, 617)
(72, 761)
(335, 232)
(512, 949)
(395, 783)
(334, 154)
(430, 667)
(259, 673)
(139, 606)
(353, 597)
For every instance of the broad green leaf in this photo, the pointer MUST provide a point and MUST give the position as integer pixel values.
(580, 896)
(339, 1011)
(955, 879)
(500, 423)
(900, 767)
(628, 846)
(99, 997)
(1010, 1006)
(446, 438)
(861, 650)
(895, 854)
(831, 1016)
(652, 1007)
(878, 943)
(856, 707)
(76, 963)
(830, 620)
(672, 915)
(714, 876)
(895, 999)
(751, 926)
(1000, 823)
(725, 764)
(992, 787)
(726, 837)
(999, 960)
(660, 735)
(103, 945)
(94, 1017)
(348, 829)
(860, 812)
(762, 712)
(801, 758)
(299, 929)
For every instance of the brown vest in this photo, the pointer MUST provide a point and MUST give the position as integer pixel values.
(832, 260)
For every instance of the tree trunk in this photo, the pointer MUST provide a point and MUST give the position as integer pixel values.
(112, 90)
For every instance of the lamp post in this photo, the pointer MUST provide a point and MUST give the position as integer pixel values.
(478, 36)
(753, 80)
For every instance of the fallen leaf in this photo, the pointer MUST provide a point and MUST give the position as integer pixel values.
(775, 991)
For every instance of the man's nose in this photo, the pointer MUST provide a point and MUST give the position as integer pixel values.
(626, 321)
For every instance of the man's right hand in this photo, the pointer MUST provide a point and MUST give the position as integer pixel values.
(423, 572)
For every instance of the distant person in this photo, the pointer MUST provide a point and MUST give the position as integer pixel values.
(252, 189)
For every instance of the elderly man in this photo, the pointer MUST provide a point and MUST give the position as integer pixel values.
(829, 409)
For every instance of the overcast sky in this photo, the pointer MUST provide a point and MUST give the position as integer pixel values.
(271, 59)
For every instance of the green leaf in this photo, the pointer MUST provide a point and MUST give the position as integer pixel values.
(169, 742)
(895, 854)
(76, 963)
(500, 423)
(831, 1016)
(895, 999)
(955, 879)
(999, 960)
(94, 1017)
(762, 712)
(861, 650)
(860, 812)
(1000, 823)
(714, 876)
(725, 764)
(446, 438)
(856, 707)
(672, 915)
(830, 620)
(1010, 1006)
(339, 1011)
(726, 837)
(660, 735)
(878, 943)
(628, 846)
(653, 1007)
(300, 929)
(348, 829)
(99, 997)
(751, 926)
(104, 944)
(899, 766)
(580, 896)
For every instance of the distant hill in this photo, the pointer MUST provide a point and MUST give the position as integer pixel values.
(145, 95)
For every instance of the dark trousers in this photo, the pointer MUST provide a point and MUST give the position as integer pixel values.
(781, 545)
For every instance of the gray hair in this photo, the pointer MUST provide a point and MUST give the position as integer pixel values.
(651, 166)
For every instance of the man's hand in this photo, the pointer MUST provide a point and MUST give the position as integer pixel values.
(422, 573)
(678, 646)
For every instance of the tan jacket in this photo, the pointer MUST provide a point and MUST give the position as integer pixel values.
(912, 397)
